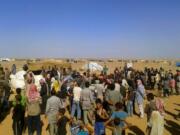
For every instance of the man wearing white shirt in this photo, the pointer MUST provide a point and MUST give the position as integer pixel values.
(76, 101)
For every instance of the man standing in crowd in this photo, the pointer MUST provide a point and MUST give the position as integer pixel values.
(52, 107)
(33, 110)
(87, 102)
(140, 94)
(76, 101)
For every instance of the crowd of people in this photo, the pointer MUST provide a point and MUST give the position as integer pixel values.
(90, 103)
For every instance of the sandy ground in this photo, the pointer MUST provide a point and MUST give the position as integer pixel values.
(140, 65)
(172, 104)
(172, 121)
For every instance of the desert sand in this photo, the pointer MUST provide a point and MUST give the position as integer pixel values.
(172, 103)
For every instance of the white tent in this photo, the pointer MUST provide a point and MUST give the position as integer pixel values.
(129, 65)
(17, 80)
(93, 66)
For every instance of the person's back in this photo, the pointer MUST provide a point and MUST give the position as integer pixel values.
(76, 101)
(53, 105)
(123, 91)
(113, 97)
(124, 83)
(166, 87)
(117, 130)
(62, 122)
(99, 90)
(156, 123)
(63, 92)
(23, 99)
(33, 108)
(77, 93)
(86, 98)
(122, 115)
(18, 112)
(117, 87)
(166, 84)
(56, 85)
(18, 116)
(150, 108)
(33, 101)
(140, 94)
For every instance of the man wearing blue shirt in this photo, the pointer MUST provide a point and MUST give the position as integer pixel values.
(120, 114)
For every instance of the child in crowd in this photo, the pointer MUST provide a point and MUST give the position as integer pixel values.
(62, 122)
(23, 103)
(119, 113)
(100, 117)
(18, 116)
(117, 130)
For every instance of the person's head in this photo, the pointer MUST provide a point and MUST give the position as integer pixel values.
(75, 83)
(139, 82)
(117, 121)
(29, 77)
(62, 111)
(42, 81)
(85, 74)
(87, 84)
(53, 92)
(18, 91)
(150, 97)
(25, 67)
(48, 76)
(111, 86)
(98, 103)
(119, 106)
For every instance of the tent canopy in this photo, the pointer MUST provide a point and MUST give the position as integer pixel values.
(93, 66)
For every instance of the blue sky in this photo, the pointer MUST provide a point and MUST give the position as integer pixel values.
(90, 28)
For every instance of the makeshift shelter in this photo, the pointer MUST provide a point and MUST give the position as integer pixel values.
(93, 66)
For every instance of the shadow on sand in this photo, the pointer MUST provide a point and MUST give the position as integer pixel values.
(4, 112)
(172, 127)
(176, 104)
(175, 116)
(136, 130)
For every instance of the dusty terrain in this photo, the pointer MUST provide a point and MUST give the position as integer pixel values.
(172, 104)
(111, 64)
(172, 121)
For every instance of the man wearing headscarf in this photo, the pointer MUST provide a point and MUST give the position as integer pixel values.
(140, 94)
(33, 110)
